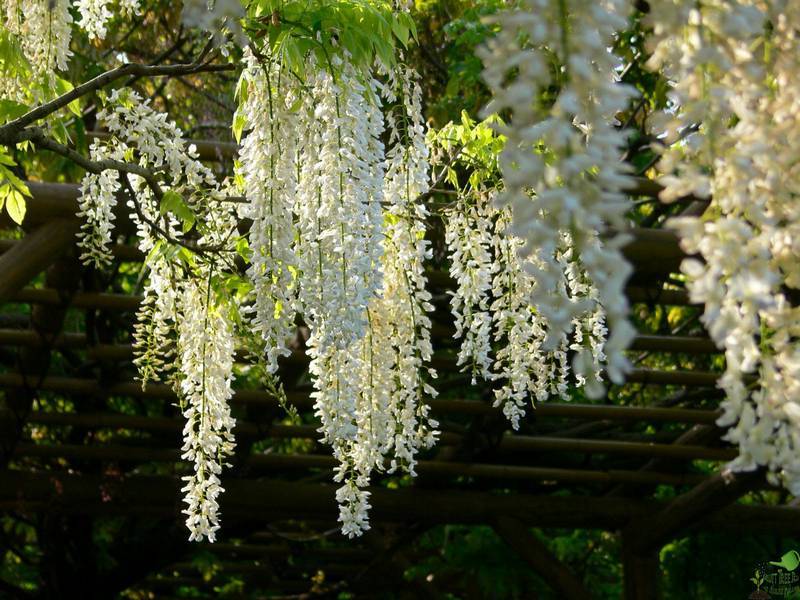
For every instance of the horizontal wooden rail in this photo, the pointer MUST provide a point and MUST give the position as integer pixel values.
(91, 387)
(443, 361)
(269, 499)
(30, 339)
(511, 443)
(34, 253)
(110, 301)
(163, 424)
(264, 462)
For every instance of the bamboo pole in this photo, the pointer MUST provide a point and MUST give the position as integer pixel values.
(655, 249)
(30, 339)
(442, 361)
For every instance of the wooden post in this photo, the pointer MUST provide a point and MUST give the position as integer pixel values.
(643, 537)
(557, 575)
(641, 571)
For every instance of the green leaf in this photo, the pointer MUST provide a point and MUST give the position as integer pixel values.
(63, 87)
(173, 202)
(400, 32)
(15, 205)
(239, 121)
(10, 110)
(243, 248)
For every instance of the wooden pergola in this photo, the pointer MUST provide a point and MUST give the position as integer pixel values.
(65, 363)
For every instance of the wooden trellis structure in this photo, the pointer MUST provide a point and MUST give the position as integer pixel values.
(66, 362)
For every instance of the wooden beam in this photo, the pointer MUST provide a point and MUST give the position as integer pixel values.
(641, 572)
(509, 443)
(71, 385)
(270, 500)
(555, 573)
(442, 360)
(653, 250)
(34, 253)
(292, 462)
(689, 509)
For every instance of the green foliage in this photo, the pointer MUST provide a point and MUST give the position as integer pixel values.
(13, 63)
(478, 147)
(173, 202)
(707, 566)
(366, 29)
(449, 33)
(12, 189)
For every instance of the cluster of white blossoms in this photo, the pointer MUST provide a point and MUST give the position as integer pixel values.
(561, 164)
(337, 238)
(503, 335)
(268, 167)
(734, 69)
(95, 14)
(206, 342)
(184, 327)
(43, 29)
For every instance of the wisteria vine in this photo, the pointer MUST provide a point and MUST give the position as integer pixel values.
(323, 231)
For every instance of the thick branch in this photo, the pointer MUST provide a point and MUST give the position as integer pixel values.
(38, 137)
(9, 133)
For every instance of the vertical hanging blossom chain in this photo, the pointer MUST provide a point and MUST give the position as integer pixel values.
(268, 172)
(566, 152)
(468, 235)
(735, 65)
(503, 335)
(405, 301)
(183, 328)
(206, 365)
(44, 30)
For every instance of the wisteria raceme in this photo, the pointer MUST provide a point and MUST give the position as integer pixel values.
(177, 313)
(206, 345)
(579, 187)
(511, 349)
(95, 14)
(44, 30)
(746, 100)
(469, 238)
(160, 146)
(405, 301)
(268, 170)
(336, 248)
(96, 206)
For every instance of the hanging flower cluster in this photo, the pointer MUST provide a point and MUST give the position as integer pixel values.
(338, 238)
(206, 344)
(561, 164)
(184, 327)
(734, 66)
(95, 14)
(43, 30)
(503, 335)
(335, 242)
